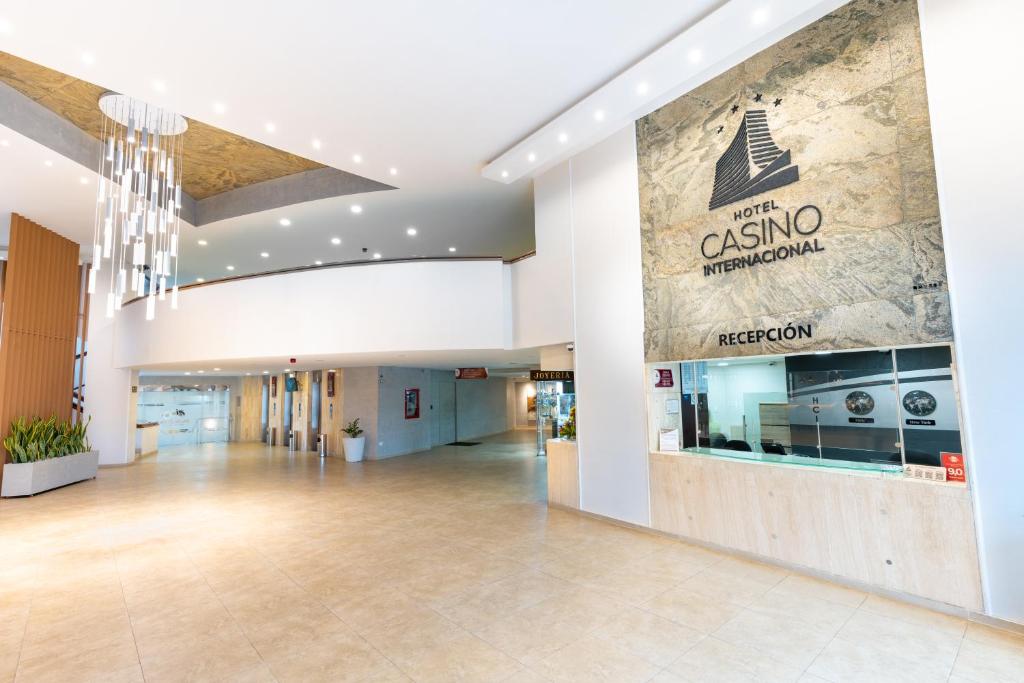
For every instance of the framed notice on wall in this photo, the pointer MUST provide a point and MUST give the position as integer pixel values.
(330, 384)
(412, 404)
(273, 387)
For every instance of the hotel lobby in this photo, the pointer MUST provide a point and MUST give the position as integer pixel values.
(542, 343)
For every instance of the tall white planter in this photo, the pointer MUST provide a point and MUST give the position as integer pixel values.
(354, 448)
(30, 478)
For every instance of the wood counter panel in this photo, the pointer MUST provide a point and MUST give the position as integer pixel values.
(901, 535)
(563, 473)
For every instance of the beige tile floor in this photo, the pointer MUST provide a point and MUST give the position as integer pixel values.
(243, 563)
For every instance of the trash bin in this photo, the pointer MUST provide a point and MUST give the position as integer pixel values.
(321, 445)
(291, 441)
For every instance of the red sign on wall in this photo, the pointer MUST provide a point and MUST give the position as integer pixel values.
(954, 464)
(471, 373)
(273, 387)
(663, 378)
(330, 384)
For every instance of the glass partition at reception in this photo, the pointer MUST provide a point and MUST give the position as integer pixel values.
(187, 415)
(876, 410)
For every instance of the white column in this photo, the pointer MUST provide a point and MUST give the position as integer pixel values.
(608, 309)
(973, 59)
(109, 400)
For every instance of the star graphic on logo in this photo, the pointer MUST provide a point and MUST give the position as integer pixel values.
(778, 101)
(735, 108)
(757, 97)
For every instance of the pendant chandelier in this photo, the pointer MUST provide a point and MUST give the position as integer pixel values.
(138, 202)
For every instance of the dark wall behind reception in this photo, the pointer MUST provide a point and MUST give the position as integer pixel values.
(816, 156)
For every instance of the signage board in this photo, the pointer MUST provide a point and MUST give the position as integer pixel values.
(551, 375)
(954, 464)
(330, 383)
(663, 378)
(471, 373)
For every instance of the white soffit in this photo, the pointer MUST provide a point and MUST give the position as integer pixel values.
(723, 39)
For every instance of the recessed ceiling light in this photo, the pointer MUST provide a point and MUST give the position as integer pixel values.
(269, 127)
(83, 180)
(695, 55)
(531, 157)
(316, 143)
(248, 374)
(219, 107)
(188, 373)
(216, 369)
(88, 58)
(642, 88)
(5, 143)
(451, 249)
(159, 86)
(355, 208)
(48, 163)
(200, 279)
(504, 174)
(357, 158)
(563, 138)
(759, 16)
(376, 255)
(266, 372)
(202, 243)
(335, 240)
(410, 231)
(5, 26)
(231, 267)
(599, 115)
(285, 222)
(318, 263)
(264, 254)
(201, 371)
(393, 171)
(722, 364)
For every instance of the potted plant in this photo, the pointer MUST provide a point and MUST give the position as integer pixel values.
(568, 428)
(46, 454)
(354, 442)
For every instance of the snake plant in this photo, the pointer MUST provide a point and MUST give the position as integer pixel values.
(41, 439)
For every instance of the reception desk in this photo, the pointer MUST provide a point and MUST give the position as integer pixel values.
(563, 473)
(147, 435)
(875, 528)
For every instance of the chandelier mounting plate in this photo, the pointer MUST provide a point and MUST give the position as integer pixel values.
(125, 109)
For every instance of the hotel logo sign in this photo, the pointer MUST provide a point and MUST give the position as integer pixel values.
(752, 164)
(764, 232)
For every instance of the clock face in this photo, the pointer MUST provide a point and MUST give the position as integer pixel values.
(919, 403)
(859, 402)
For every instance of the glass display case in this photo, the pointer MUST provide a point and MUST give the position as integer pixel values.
(554, 401)
(866, 410)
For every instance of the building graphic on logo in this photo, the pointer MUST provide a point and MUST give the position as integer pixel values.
(753, 163)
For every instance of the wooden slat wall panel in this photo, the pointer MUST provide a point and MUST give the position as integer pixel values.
(249, 415)
(37, 346)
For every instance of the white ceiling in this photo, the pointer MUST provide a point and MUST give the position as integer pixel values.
(435, 90)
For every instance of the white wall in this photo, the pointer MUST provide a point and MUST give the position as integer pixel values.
(973, 57)
(608, 311)
(541, 299)
(363, 309)
(482, 407)
(395, 434)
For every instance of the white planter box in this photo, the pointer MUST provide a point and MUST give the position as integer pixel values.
(30, 478)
